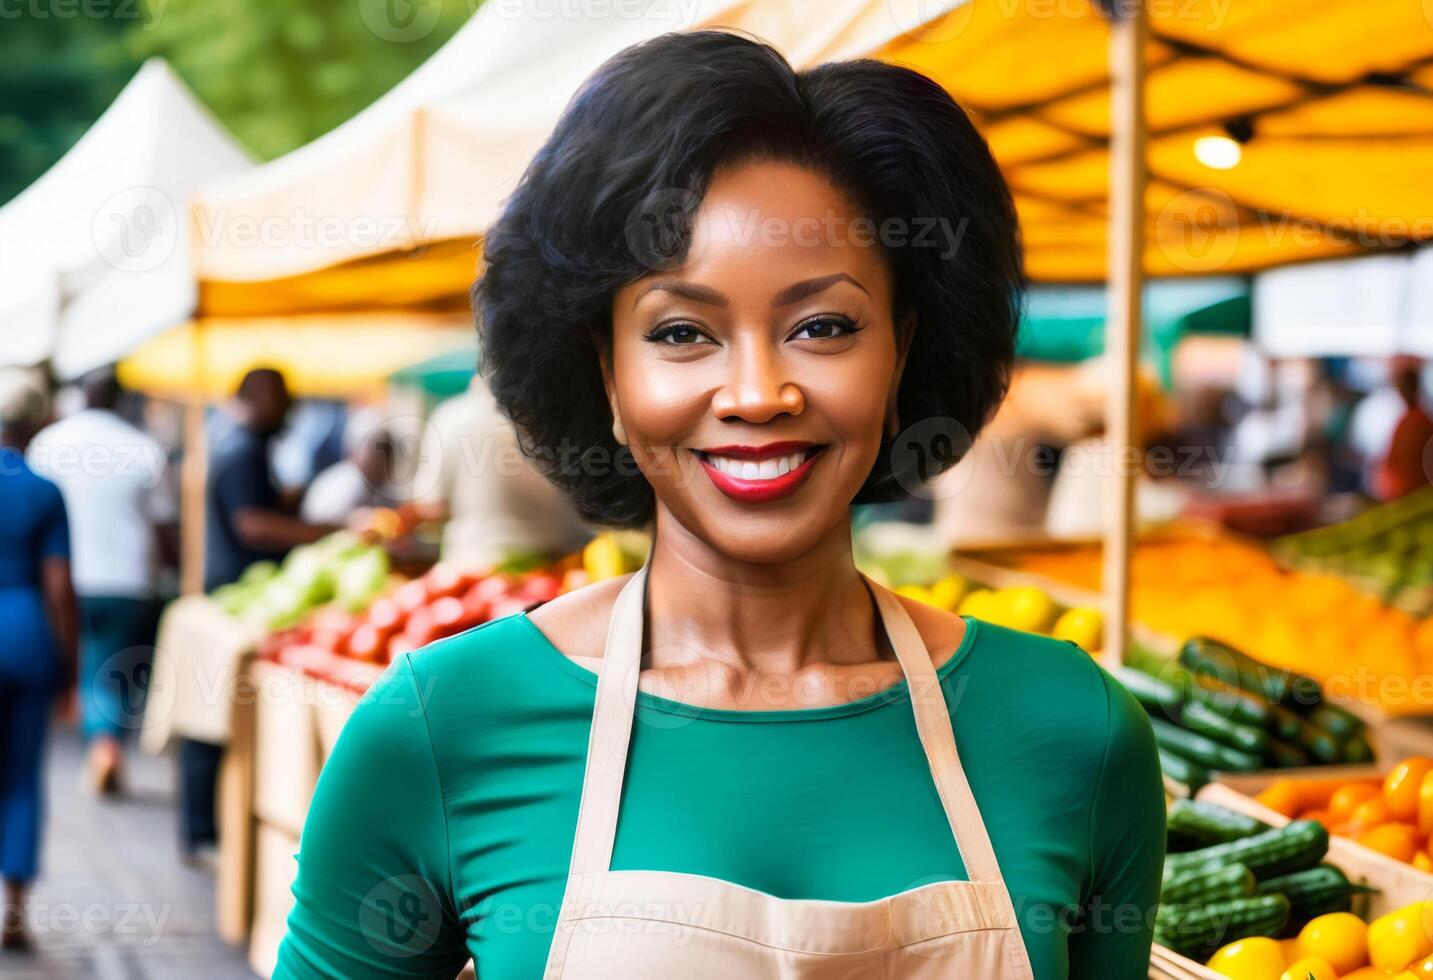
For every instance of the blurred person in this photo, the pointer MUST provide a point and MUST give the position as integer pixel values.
(39, 620)
(122, 515)
(247, 519)
(472, 474)
(361, 480)
(1403, 468)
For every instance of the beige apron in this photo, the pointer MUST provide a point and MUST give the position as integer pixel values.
(661, 924)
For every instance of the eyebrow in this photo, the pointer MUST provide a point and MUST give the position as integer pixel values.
(798, 291)
(794, 293)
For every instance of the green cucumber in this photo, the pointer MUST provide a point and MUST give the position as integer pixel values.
(1197, 718)
(1201, 928)
(1235, 703)
(1315, 891)
(1341, 723)
(1319, 744)
(1154, 695)
(1284, 723)
(1235, 667)
(1185, 771)
(1297, 845)
(1202, 749)
(1209, 823)
(1357, 751)
(1210, 885)
(1285, 755)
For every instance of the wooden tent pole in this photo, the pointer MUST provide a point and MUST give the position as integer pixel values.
(1128, 34)
(193, 475)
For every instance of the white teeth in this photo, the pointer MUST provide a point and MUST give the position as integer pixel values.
(766, 469)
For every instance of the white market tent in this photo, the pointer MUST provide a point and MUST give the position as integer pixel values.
(432, 160)
(1376, 306)
(94, 256)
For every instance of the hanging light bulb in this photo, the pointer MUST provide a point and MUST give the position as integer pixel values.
(1218, 152)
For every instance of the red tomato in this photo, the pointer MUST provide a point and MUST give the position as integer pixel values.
(411, 595)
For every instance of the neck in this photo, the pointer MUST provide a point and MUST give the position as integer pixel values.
(764, 617)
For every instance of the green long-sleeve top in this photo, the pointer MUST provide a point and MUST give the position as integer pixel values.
(442, 824)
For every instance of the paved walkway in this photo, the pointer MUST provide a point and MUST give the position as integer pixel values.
(113, 902)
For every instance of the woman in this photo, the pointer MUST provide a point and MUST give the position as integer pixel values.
(708, 309)
(38, 618)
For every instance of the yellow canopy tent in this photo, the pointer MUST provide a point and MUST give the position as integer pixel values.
(1278, 131)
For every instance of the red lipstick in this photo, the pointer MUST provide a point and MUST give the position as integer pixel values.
(757, 490)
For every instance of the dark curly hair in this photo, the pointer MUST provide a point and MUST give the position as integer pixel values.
(610, 197)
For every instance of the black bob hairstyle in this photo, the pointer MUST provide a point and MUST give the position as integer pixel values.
(609, 199)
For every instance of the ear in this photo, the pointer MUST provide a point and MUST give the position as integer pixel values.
(609, 385)
(905, 330)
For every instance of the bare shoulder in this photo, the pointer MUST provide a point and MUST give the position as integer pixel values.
(942, 631)
(576, 622)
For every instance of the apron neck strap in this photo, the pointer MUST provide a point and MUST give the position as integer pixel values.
(614, 708)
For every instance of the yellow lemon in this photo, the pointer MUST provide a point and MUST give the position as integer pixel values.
(1339, 937)
(603, 558)
(1250, 959)
(978, 604)
(948, 590)
(1027, 608)
(1085, 627)
(917, 592)
(1309, 968)
(1401, 937)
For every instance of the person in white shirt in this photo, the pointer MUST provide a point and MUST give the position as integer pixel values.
(362, 479)
(472, 473)
(113, 480)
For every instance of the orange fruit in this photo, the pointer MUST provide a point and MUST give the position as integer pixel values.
(1369, 813)
(1403, 785)
(1282, 796)
(1422, 861)
(1345, 800)
(1318, 816)
(1425, 804)
(1398, 840)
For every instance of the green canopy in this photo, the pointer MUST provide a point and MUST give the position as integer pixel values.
(1067, 323)
(439, 377)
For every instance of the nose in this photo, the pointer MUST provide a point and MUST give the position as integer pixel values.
(757, 388)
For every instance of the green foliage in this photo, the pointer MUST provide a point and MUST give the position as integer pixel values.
(61, 64)
(281, 72)
(278, 73)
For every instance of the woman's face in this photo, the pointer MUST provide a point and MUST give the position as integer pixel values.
(754, 382)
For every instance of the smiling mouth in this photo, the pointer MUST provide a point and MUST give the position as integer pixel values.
(755, 474)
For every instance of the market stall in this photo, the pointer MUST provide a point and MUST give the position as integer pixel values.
(95, 255)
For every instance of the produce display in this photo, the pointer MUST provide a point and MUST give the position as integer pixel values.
(906, 560)
(1258, 902)
(339, 643)
(1356, 646)
(1215, 708)
(340, 568)
(1386, 550)
(1392, 815)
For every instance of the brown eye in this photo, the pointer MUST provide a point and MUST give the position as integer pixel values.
(676, 333)
(823, 328)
